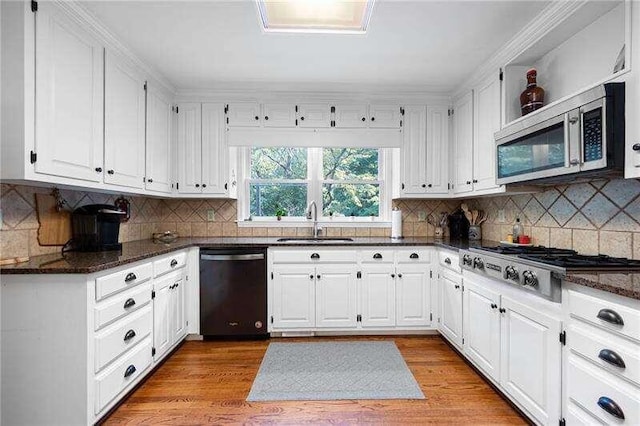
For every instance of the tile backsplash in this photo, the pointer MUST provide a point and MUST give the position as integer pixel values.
(596, 217)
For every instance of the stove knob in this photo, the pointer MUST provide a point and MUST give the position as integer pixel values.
(466, 260)
(530, 278)
(478, 263)
(511, 273)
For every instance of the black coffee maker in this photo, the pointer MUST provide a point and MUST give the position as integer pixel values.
(458, 226)
(96, 227)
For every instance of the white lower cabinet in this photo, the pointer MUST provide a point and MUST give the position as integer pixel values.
(413, 295)
(378, 296)
(450, 309)
(335, 296)
(294, 304)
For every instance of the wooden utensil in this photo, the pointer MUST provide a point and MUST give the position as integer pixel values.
(55, 226)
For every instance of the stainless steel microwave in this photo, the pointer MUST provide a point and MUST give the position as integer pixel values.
(583, 134)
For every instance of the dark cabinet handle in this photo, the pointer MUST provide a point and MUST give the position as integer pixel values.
(503, 310)
(399, 275)
(373, 119)
(364, 119)
(475, 181)
(424, 185)
(447, 261)
(311, 276)
(301, 118)
(173, 263)
(204, 185)
(130, 277)
(377, 256)
(494, 306)
(636, 147)
(110, 172)
(150, 180)
(257, 118)
(129, 335)
(468, 182)
(226, 185)
(393, 275)
(98, 169)
(430, 185)
(610, 406)
(129, 303)
(414, 256)
(130, 370)
(318, 276)
(266, 117)
(315, 256)
(456, 286)
(610, 316)
(610, 357)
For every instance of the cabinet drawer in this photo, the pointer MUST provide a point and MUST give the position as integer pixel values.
(119, 281)
(121, 336)
(588, 384)
(169, 263)
(376, 256)
(608, 315)
(125, 371)
(449, 260)
(610, 352)
(413, 256)
(122, 304)
(314, 256)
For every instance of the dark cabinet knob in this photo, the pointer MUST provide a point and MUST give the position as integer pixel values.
(494, 306)
(636, 147)
(377, 256)
(266, 117)
(130, 370)
(130, 277)
(430, 185)
(610, 316)
(610, 357)
(173, 263)
(447, 261)
(99, 169)
(226, 186)
(257, 118)
(311, 276)
(610, 406)
(503, 310)
(393, 275)
(110, 172)
(364, 119)
(456, 286)
(475, 181)
(204, 185)
(424, 185)
(315, 256)
(150, 180)
(414, 256)
(129, 335)
(129, 303)
(197, 185)
(468, 182)
(301, 118)
(399, 275)
(318, 276)
(373, 119)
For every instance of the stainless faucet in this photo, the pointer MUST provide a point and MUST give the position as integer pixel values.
(316, 230)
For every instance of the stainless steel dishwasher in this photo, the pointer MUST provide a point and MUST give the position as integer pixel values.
(233, 292)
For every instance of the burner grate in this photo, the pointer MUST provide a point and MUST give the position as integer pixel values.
(595, 262)
(533, 250)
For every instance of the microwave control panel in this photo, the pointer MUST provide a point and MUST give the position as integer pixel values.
(592, 135)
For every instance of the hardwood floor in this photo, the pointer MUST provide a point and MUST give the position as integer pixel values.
(208, 382)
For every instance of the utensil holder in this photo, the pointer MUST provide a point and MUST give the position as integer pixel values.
(439, 232)
(475, 232)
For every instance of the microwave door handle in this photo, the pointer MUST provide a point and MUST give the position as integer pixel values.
(567, 141)
(574, 140)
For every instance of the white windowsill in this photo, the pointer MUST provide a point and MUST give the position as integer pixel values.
(304, 223)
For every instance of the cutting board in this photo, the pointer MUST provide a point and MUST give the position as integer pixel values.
(55, 226)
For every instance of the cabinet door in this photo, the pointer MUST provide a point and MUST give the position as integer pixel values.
(178, 322)
(436, 149)
(378, 296)
(451, 306)
(462, 161)
(335, 296)
(124, 123)
(159, 128)
(530, 359)
(414, 151)
(481, 327)
(189, 148)
(279, 115)
(162, 315)
(244, 114)
(215, 155)
(69, 97)
(314, 115)
(351, 116)
(384, 116)
(486, 110)
(413, 295)
(294, 298)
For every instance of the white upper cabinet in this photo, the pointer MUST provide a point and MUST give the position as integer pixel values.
(124, 123)
(437, 150)
(351, 116)
(243, 114)
(278, 115)
(486, 113)
(69, 98)
(189, 148)
(159, 132)
(384, 116)
(314, 115)
(462, 161)
(414, 151)
(215, 158)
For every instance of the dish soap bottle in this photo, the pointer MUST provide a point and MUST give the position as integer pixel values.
(518, 230)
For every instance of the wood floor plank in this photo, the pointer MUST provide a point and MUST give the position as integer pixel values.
(207, 383)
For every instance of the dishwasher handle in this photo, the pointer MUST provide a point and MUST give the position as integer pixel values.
(255, 256)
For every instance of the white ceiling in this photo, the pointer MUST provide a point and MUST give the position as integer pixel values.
(208, 44)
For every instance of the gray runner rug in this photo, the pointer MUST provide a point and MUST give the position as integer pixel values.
(333, 370)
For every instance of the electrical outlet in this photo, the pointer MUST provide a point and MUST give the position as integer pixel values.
(422, 216)
(501, 216)
(211, 215)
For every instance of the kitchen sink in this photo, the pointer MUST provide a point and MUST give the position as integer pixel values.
(315, 240)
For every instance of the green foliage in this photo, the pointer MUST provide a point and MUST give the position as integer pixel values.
(267, 199)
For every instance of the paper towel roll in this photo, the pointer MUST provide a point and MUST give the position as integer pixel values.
(396, 224)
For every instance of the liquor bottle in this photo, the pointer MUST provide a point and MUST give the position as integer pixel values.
(533, 96)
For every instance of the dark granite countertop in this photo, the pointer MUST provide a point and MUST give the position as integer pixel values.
(85, 263)
(627, 285)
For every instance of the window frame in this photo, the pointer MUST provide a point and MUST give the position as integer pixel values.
(315, 181)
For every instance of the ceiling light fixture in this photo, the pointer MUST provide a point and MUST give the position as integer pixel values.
(315, 16)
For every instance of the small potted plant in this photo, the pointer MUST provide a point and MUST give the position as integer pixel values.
(280, 211)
